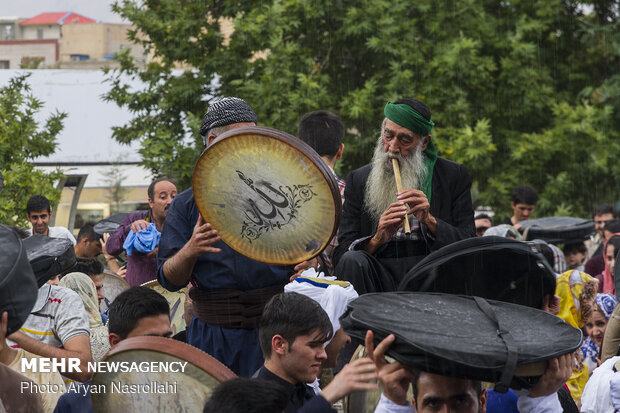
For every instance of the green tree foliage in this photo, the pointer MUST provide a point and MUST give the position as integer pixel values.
(521, 92)
(21, 141)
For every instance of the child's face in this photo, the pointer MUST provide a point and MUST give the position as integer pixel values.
(574, 258)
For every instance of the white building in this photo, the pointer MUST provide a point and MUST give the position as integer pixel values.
(86, 149)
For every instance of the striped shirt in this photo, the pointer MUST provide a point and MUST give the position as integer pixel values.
(328, 252)
(57, 316)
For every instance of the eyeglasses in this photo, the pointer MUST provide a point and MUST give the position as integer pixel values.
(602, 221)
(481, 230)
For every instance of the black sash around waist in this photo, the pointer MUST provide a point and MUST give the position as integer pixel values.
(402, 249)
(230, 308)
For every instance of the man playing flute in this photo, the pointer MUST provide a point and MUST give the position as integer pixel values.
(374, 251)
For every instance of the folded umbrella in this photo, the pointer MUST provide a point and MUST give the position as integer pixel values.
(49, 256)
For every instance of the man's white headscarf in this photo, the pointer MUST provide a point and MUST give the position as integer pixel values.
(333, 295)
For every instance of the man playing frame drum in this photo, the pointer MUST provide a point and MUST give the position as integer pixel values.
(229, 290)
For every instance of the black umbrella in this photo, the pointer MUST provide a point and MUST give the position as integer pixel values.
(109, 224)
(465, 337)
(557, 230)
(18, 285)
(49, 256)
(490, 267)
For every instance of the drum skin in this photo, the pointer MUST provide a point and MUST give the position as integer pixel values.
(113, 285)
(268, 194)
(176, 301)
(185, 391)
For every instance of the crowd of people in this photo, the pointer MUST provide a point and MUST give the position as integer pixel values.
(278, 327)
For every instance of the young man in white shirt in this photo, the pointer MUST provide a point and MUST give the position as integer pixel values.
(39, 213)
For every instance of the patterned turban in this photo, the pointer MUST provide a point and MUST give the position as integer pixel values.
(226, 112)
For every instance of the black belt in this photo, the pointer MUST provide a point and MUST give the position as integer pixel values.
(404, 248)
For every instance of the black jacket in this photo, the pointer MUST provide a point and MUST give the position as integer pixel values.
(450, 205)
(301, 396)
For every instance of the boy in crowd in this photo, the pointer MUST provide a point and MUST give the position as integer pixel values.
(292, 333)
(39, 214)
(575, 254)
(482, 222)
(88, 242)
(524, 199)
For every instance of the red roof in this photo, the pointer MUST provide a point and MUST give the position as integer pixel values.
(65, 17)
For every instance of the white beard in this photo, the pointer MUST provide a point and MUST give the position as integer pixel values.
(381, 189)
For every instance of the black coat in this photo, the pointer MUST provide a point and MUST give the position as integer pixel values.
(450, 205)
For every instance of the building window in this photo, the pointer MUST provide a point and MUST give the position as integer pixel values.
(87, 215)
(39, 34)
(7, 33)
(79, 57)
(4, 64)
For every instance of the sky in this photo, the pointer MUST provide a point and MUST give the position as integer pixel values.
(95, 9)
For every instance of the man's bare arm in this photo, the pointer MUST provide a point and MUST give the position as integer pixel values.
(77, 346)
(178, 268)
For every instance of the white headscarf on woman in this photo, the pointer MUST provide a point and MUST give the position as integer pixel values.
(85, 288)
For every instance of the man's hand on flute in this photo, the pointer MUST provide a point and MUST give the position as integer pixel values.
(388, 225)
(419, 207)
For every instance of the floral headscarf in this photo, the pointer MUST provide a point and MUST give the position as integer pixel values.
(607, 303)
(577, 292)
(591, 350)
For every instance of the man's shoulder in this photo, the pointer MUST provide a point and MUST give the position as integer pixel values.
(359, 175)
(364, 170)
(184, 200)
(448, 164)
(186, 196)
(134, 216)
(56, 231)
(61, 232)
(62, 296)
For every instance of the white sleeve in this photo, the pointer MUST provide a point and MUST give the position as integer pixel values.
(62, 232)
(388, 406)
(614, 390)
(544, 404)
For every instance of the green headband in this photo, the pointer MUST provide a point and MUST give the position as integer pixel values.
(407, 117)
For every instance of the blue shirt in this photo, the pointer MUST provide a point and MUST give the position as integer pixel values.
(76, 400)
(238, 349)
(227, 269)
